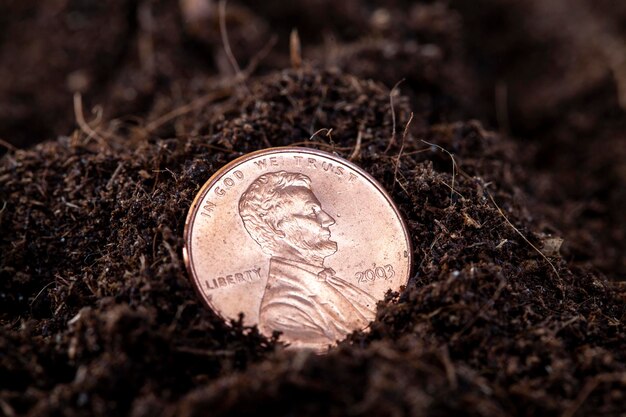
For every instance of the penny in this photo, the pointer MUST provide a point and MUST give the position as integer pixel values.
(298, 240)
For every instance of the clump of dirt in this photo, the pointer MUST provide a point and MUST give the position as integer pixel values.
(98, 316)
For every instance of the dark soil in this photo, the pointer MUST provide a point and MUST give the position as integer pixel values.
(514, 121)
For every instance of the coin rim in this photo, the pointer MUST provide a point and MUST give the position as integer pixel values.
(195, 204)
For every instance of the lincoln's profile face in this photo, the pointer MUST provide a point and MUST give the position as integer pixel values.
(282, 214)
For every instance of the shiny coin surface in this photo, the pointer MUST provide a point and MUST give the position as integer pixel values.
(298, 240)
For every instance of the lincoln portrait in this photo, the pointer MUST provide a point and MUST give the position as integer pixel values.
(303, 299)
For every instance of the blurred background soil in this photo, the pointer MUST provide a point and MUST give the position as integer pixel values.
(113, 113)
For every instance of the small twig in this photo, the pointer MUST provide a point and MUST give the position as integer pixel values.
(295, 52)
(173, 174)
(415, 152)
(403, 187)
(589, 387)
(522, 235)
(356, 153)
(406, 130)
(195, 104)
(432, 244)
(449, 367)
(259, 56)
(7, 145)
(6, 408)
(80, 118)
(392, 141)
(567, 323)
(452, 190)
(321, 130)
(454, 166)
(115, 173)
(582, 396)
(40, 291)
(226, 43)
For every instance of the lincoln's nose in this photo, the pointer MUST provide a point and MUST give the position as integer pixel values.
(325, 219)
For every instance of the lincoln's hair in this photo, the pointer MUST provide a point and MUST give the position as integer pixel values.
(261, 205)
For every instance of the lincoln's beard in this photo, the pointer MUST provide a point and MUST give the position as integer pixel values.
(312, 249)
(320, 248)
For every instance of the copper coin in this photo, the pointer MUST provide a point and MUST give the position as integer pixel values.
(298, 240)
